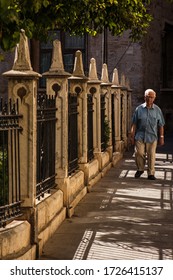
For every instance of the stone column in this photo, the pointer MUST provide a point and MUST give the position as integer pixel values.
(129, 109)
(94, 88)
(124, 109)
(57, 84)
(78, 85)
(93, 167)
(106, 90)
(22, 85)
(116, 91)
(75, 182)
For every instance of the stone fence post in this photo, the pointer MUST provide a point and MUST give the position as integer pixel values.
(94, 89)
(57, 84)
(76, 188)
(22, 85)
(106, 90)
(78, 85)
(124, 109)
(129, 107)
(116, 91)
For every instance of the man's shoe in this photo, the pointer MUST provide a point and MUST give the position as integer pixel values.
(138, 173)
(151, 177)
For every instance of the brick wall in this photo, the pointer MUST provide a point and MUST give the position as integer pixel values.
(141, 61)
(5, 65)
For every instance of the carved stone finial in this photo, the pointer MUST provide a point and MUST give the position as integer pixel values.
(115, 78)
(57, 61)
(22, 57)
(93, 70)
(78, 65)
(104, 77)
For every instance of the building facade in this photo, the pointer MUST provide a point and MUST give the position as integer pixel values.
(148, 64)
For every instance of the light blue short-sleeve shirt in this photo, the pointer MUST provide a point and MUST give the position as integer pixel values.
(147, 121)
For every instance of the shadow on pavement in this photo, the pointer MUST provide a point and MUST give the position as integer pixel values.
(122, 218)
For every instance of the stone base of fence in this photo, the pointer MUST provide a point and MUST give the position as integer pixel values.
(76, 191)
(91, 170)
(50, 214)
(15, 242)
(116, 158)
(76, 200)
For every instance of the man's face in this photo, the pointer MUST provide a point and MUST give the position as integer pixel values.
(149, 99)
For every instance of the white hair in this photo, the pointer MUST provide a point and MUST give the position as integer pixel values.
(148, 91)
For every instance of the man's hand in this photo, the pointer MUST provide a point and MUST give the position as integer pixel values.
(161, 140)
(132, 134)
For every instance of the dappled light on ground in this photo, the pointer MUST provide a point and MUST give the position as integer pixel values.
(136, 221)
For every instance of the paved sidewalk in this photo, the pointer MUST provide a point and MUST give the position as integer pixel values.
(122, 218)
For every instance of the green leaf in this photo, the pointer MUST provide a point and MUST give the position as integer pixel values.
(74, 16)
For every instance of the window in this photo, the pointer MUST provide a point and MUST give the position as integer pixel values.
(167, 57)
(70, 44)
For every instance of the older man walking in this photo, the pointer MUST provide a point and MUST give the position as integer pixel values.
(146, 131)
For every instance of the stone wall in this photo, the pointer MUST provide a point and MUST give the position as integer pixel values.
(122, 54)
(140, 61)
(162, 12)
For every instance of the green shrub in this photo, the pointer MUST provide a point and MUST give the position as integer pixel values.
(3, 177)
(107, 132)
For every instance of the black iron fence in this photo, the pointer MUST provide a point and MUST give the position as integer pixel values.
(113, 122)
(72, 133)
(121, 117)
(102, 102)
(90, 126)
(46, 121)
(10, 198)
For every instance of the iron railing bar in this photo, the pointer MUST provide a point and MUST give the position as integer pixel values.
(7, 116)
(16, 165)
(3, 164)
(47, 109)
(12, 162)
(10, 205)
(46, 180)
(46, 120)
(10, 128)
(18, 156)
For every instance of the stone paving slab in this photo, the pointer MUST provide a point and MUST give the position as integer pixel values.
(122, 218)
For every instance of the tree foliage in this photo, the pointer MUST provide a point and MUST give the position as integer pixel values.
(37, 17)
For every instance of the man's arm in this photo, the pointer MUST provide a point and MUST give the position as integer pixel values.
(132, 133)
(161, 135)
